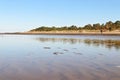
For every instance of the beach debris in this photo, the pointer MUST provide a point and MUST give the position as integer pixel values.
(65, 49)
(56, 53)
(74, 48)
(100, 54)
(77, 53)
(47, 48)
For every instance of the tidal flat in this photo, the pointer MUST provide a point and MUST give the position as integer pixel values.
(59, 57)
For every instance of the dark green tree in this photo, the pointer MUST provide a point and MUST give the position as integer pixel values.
(97, 26)
(88, 27)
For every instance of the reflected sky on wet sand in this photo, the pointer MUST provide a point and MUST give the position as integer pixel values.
(59, 57)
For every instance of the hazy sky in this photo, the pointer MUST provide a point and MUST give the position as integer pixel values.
(22, 15)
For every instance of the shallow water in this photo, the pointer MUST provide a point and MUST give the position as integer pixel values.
(59, 57)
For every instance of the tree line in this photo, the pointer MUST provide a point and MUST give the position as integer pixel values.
(108, 26)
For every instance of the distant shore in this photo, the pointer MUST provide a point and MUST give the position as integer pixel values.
(65, 33)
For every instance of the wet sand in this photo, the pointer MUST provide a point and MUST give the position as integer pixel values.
(57, 70)
(59, 58)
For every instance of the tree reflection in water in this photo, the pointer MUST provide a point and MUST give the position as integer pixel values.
(95, 42)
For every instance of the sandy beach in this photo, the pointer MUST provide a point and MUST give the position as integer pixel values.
(66, 33)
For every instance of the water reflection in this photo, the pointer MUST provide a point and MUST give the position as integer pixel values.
(64, 40)
(95, 42)
(59, 58)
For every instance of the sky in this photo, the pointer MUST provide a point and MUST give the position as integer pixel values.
(24, 15)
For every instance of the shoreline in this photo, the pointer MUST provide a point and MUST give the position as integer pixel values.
(63, 33)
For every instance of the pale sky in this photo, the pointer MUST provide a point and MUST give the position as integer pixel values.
(23, 15)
